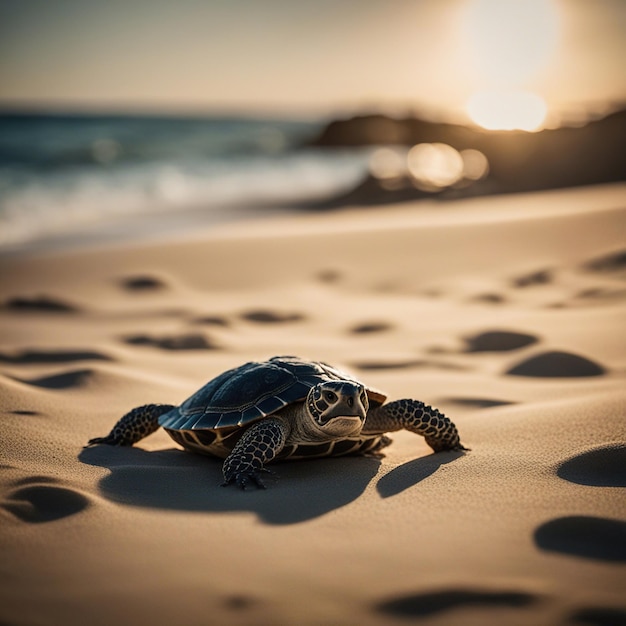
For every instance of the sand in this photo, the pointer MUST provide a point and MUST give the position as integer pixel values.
(507, 313)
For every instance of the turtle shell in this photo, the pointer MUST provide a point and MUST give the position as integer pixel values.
(253, 391)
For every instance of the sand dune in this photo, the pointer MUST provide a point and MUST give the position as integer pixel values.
(506, 313)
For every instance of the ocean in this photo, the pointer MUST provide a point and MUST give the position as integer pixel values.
(63, 174)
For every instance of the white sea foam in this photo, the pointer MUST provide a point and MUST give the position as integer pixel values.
(62, 174)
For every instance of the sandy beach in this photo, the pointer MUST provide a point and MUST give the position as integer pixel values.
(506, 312)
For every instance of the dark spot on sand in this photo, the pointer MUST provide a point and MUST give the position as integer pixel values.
(387, 365)
(24, 412)
(390, 365)
(370, 327)
(142, 283)
(40, 304)
(212, 320)
(428, 604)
(438, 350)
(588, 537)
(432, 293)
(239, 602)
(498, 341)
(599, 616)
(489, 298)
(172, 342)
(329, 276)
(45, 503)
(592, 292)
(614, 262)
(476, 403)
(263, 316)
(52, 356)
(65, 380)
(601, 467)
(542, 277)
(557, 365)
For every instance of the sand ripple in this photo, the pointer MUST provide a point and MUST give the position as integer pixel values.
(190, 341)
(64, 380)
(27, 357)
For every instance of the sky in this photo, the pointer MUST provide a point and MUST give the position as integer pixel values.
(303, 57)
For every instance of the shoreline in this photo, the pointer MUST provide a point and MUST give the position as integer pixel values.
(240, 221)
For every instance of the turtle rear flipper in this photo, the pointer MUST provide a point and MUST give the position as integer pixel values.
(134, 426)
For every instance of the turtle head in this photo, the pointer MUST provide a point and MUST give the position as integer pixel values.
(337, 407)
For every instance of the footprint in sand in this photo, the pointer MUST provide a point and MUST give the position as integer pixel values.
(541, 277)
(424, 605)
(387, 365)
(599, 616)
(64, 380)
(39, 304)
(405, 364)
(498, 341)
(370, 327)
(556, 364)
(40, 499)
(211, 320)
(489, 298)
(193, 341)
(610, 263)
(592, 296)
(142, 283)
(27, 357)
(588, 537)
(329, 276)
(240, 602)
(263, 316)
(476, 403)
(599, 467)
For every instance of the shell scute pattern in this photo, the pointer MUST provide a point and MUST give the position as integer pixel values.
(250, 392)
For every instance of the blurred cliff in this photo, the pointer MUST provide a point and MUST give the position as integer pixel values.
(418, 158)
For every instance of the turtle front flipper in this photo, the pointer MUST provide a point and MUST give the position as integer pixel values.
(134, 426)
(438, 430)
(258, 446)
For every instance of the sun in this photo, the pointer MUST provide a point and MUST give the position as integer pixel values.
(509, 43)
(507, 110)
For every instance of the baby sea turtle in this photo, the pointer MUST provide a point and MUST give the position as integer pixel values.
(285, 407)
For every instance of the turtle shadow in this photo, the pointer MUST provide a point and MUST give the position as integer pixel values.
(176, 480)
(413, 472)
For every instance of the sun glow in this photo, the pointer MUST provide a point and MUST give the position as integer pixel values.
(509, 110)
(510, 42)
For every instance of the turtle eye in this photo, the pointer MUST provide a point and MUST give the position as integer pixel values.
(330, 396)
